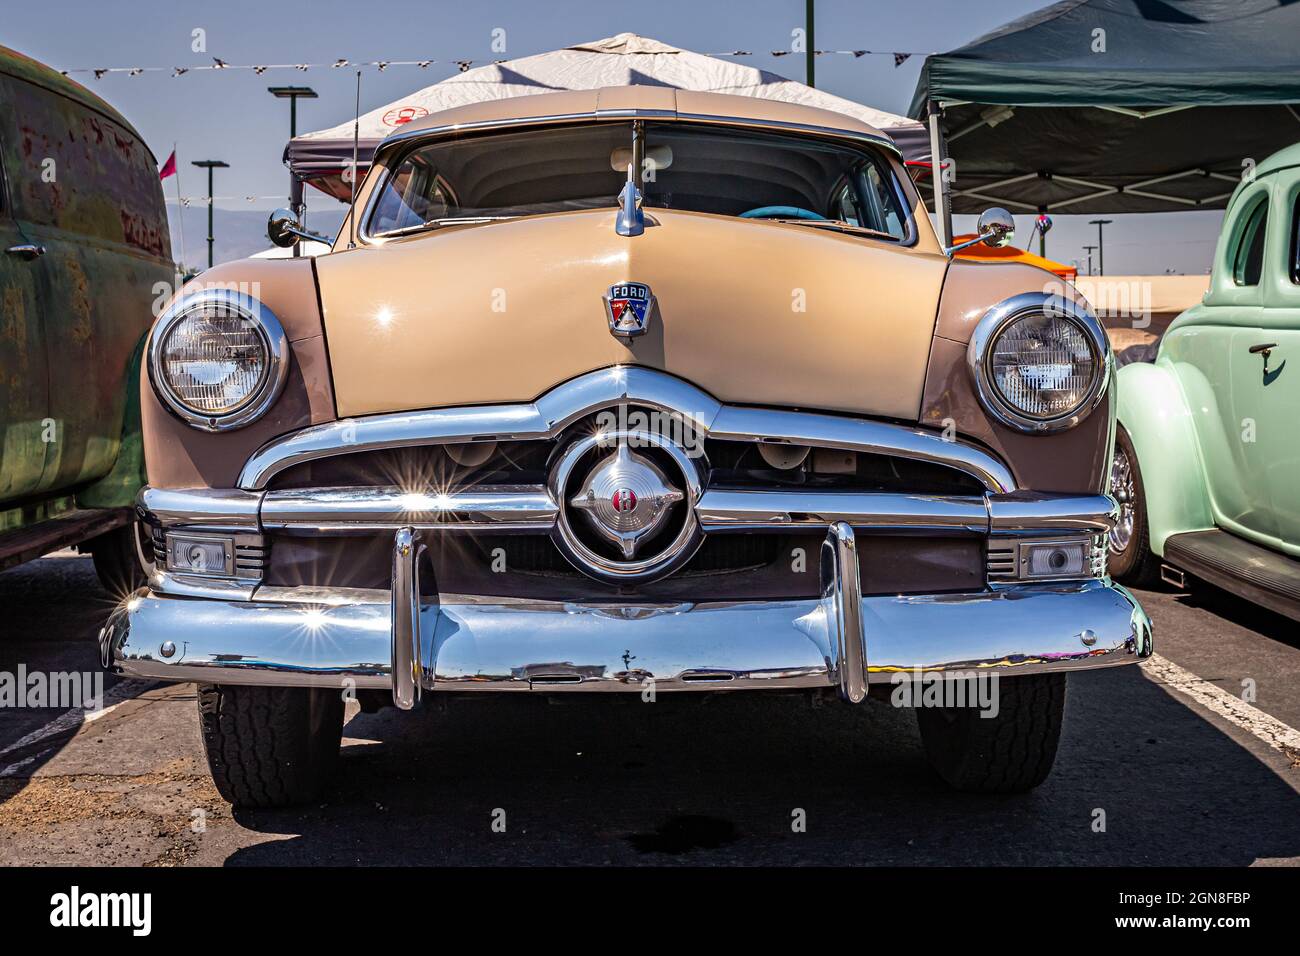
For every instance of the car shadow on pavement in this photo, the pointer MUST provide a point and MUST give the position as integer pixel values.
(50, 613)
(1140, 779)
(1240, 612)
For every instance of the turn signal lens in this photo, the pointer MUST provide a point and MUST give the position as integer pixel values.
(1054, 560)
(212, 556)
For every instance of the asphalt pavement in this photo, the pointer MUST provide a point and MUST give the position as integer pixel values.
(1159, 764)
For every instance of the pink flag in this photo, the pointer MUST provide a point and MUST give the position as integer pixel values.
(168, 168)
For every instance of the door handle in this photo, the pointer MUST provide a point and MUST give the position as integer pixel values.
(1265, 349)
(26, 250)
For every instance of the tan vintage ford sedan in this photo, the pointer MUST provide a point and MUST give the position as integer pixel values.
(634, 391)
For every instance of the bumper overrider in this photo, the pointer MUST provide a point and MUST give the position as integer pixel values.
(229, 628)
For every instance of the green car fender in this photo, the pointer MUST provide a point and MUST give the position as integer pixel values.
(1154, 412)
(119, 487)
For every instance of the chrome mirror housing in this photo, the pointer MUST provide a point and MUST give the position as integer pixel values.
(285, 231)
(995, 228)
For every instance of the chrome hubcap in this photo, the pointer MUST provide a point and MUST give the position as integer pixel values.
(1122, 489)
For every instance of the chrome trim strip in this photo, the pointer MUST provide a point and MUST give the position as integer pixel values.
(611, 647)
(842, 600)
(738, 423)
(197, 586)
(199, 509)
(1034, 512)
(604, 388)
(268, 389)
(405, 616)
(1003, 314)
(484, 508)
(723, 510)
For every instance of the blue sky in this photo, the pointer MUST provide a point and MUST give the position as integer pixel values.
(229, 115)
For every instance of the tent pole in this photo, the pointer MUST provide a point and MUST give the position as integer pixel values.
(810, 55)
(942, 210)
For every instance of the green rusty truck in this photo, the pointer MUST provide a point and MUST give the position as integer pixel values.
(83, 254)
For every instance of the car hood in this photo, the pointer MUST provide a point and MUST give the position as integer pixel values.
(752, 312)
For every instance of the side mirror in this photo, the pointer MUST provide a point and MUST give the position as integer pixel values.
(285, 231)
(996, 228)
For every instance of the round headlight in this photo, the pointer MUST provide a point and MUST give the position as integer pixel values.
(218, 359)
(1040, 362)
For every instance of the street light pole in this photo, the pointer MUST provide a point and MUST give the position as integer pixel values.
(210, 165)
(1088, 249)
(1101, 251)
(810, 56)
(293, 94)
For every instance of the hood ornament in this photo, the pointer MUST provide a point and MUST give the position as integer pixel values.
(631, 217)
(628, 306)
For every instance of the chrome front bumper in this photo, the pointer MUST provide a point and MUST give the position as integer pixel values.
(382, 639)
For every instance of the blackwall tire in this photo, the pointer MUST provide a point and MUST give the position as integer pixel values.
(270, 746)
(1010, 753)
(119, 557)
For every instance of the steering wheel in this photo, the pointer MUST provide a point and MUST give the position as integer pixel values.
(780, 212)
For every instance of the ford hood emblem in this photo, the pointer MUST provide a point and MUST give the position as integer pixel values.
(628, 306)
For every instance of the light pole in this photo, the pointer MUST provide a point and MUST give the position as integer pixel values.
(210, 165)
(1088, 249)
(293, 94)
(1101, 251)
(810, 56)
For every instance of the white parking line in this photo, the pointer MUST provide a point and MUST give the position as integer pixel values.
(1281, 737)
(71, 719)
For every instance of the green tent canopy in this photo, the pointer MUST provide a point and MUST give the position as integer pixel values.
(1106, 106)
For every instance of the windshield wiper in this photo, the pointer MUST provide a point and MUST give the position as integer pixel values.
(839, 225)
(436, 223)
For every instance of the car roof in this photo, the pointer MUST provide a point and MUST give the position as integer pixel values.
(23, 67)
(1290, 156)
(647, 102)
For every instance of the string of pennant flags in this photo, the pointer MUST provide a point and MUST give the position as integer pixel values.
(99, 72)
(204, 200)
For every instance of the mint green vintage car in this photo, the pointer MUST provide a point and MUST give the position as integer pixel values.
(1207, 454)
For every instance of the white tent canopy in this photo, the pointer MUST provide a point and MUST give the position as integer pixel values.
(624, 60)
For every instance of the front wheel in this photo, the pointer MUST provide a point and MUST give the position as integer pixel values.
(1130, 558)
(122, 558)
(1010, 751)
(270, 746)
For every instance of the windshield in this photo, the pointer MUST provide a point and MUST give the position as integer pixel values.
(689, 167)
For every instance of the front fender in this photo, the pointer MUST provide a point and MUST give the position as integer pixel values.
(1153, 411)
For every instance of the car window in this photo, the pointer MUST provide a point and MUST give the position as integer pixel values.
(846, 205)
(692, 167)
(1248, 259)
(1295, 242)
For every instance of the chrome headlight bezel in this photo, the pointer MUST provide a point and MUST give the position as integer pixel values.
(1002, 316)
(268, 389)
